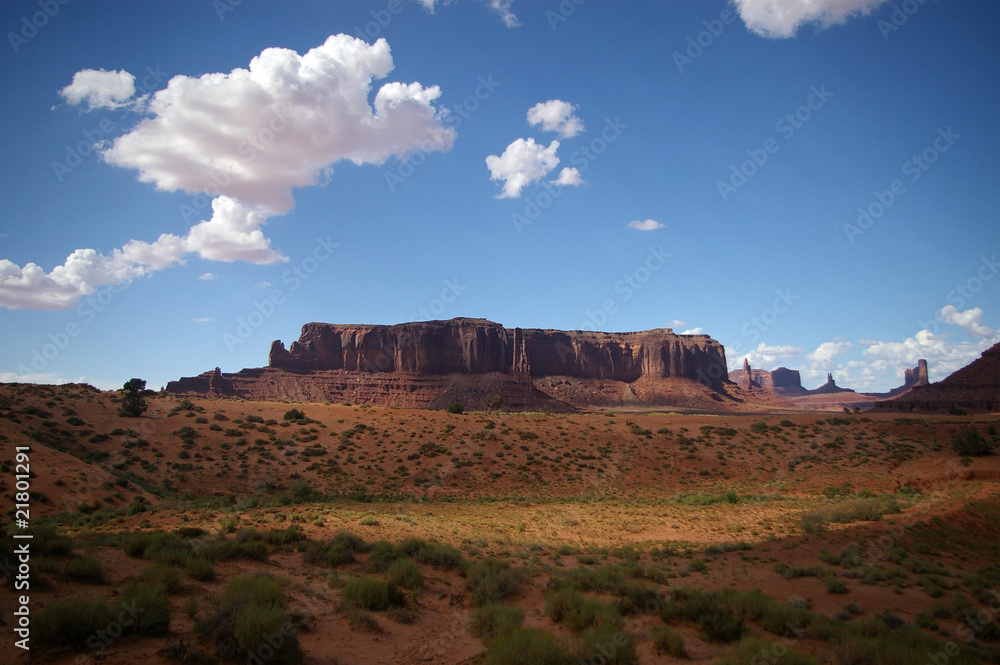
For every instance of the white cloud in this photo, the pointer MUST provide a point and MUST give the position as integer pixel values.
(677, 323)
(95, 89)
(254, 134)
(556, 116)
(970, 319)
(45, 378)
(208, 276)
(569, 177)
(247, 138)
(204, 319)
(943, 357)
(522, 163)
(645, 225)
(262, 285)
(826, 352)
(782, 18)
(232, 234)
(764, 356)
(693, 331)
(501, 7)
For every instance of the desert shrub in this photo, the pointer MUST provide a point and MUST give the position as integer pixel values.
(85, 569)
(833, 585)
(906, 645)
(970, 442)
(135, 544)
(577, 612)
(527, 646)
(491, 580)
(495, 620)
(294, 414)
(250, 620)
(335, 552)
(149, 608)
(439, 555)
(370, 593)
(405, 573)
(69, 622)
(200, 569)
(381, 555)
(165, 578)
(190, 532)
(46, 541)
(668, 641)
(456, 407)
(606, 644)
(753, 650)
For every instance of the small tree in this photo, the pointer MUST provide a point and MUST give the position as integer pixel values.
(492, 402)
(456, 407)
(134, 400)
(971, 442)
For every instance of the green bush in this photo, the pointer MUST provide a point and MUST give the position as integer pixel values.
(85, 569)
(456, 407)
(381, 555)
(200, 569)
(527, 646)
(165, 578)
(149, 607)
(439, 555)
(369, 593)
(250, 621)
(491, 580)
(606, 644)
(405, 573)
(833, 585)
(668, 641)
(970, 442)
(577, 612)
(495, 620)
(69, 622)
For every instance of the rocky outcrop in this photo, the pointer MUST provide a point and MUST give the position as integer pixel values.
(430, 363)
(781, 381)
(829, 388)
(975, 389)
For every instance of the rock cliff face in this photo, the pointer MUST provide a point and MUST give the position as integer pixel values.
(478, 346)
(974, 388)
(432, 363)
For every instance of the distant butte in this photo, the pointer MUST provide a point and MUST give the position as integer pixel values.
(435, 363)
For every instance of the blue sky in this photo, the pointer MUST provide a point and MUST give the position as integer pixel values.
(711, 166)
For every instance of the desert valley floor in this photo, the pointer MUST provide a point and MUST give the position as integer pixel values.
(384, 535)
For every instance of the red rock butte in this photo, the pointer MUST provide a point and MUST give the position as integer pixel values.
(435, 363)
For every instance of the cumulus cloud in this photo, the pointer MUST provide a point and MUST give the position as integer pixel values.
(645, 225)
(970, 319)
(232, 234)
(96, 88)
(522, 163)
(254, 134)
(569, 177)
(677, 323)
(247, 138)
(556, 116)
(782, 18)
(765, 356)
(826, 352)
(693, 331)
(208, 276)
